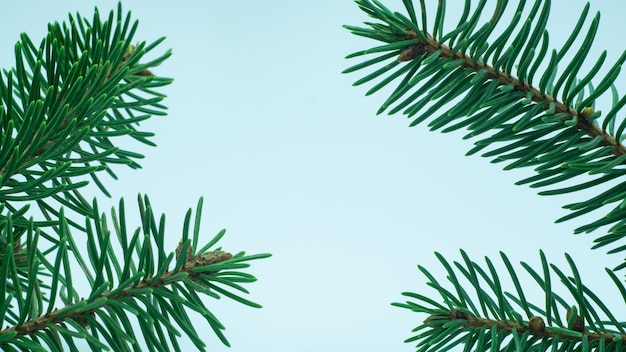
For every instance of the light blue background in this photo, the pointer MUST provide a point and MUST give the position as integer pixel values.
(292, 160)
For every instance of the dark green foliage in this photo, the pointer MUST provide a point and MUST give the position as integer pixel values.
(530, 106)
(524, 117)
(65, 103)
(580, 320)
(133, 275)
(128, 288)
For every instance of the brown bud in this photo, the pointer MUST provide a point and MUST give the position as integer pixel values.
(179, 250)
(129, 52)
(209, 258)
(411, 52)
(457, 314)
(536, 324)
(579, 324)
(586, 112)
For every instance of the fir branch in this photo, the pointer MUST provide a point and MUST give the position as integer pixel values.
(535, 326)
(78, 311)
(65, 102)
(483, 81)
(153, 285)
(61, 107)
(508, 318)
(467, 62)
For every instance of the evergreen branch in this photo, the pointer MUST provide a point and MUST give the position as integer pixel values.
(64, 103)
(512, 322)
(485, 83)
(155, 286)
